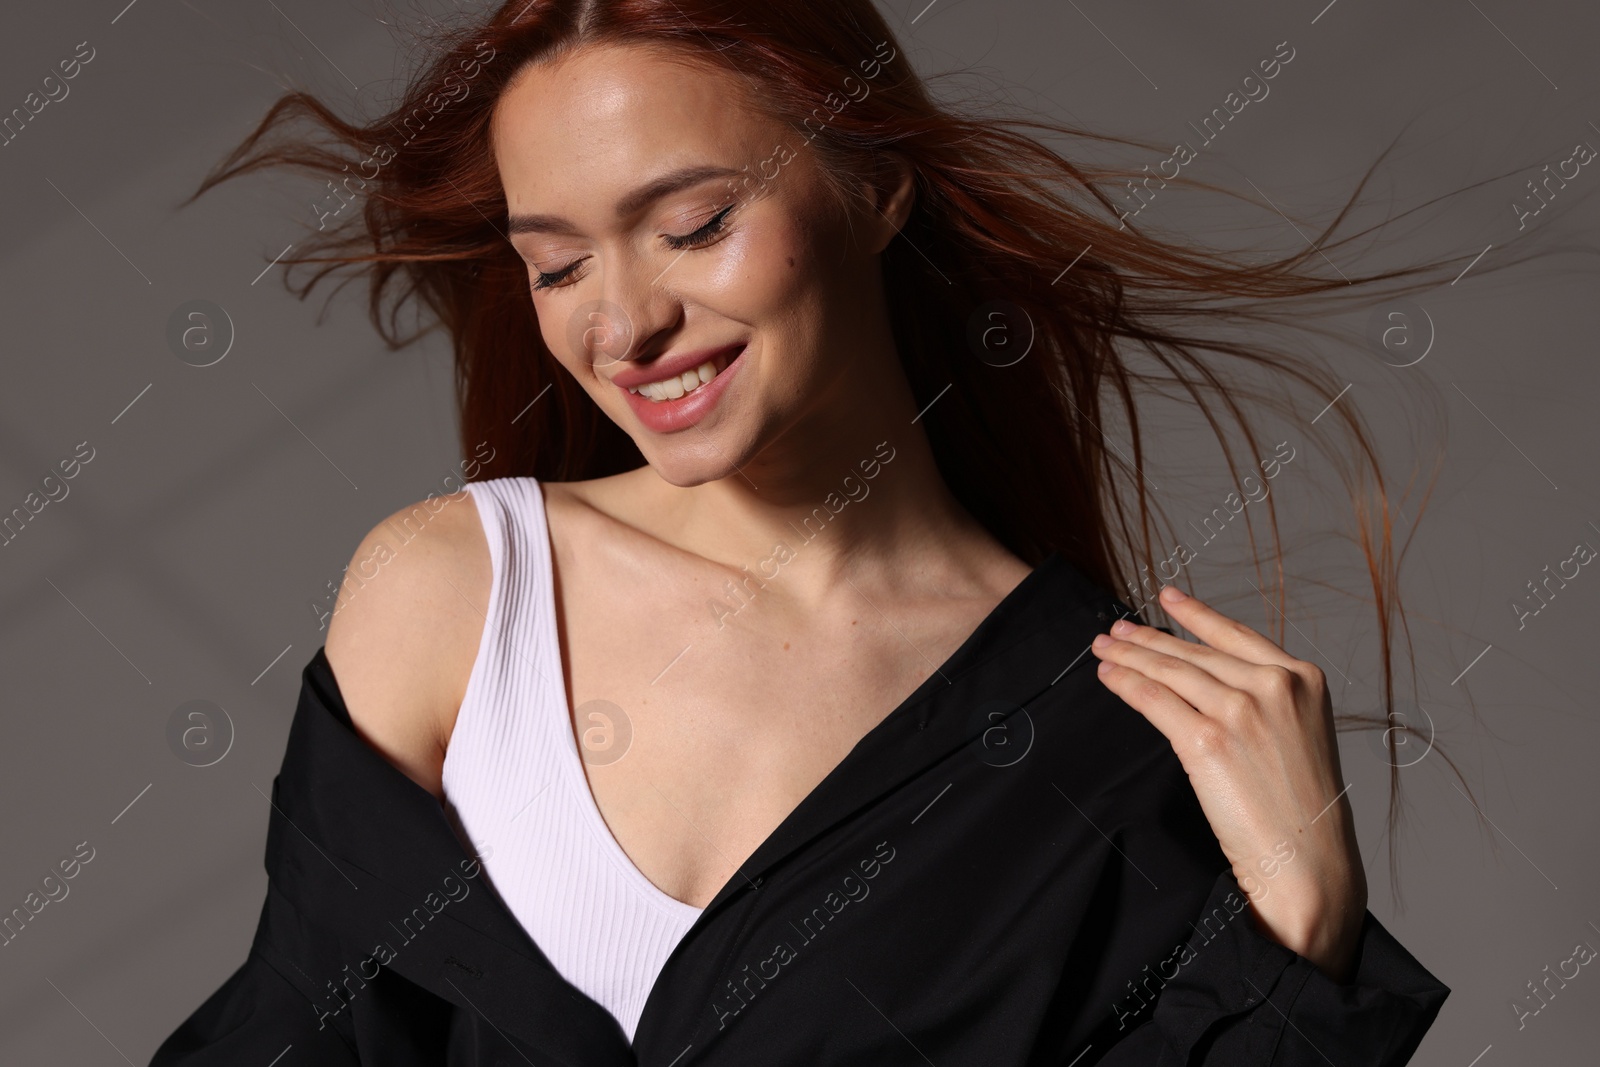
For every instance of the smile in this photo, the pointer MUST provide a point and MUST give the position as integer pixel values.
(674, 402)
(680, 385)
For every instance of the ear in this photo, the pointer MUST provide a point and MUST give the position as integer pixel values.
(892, 192)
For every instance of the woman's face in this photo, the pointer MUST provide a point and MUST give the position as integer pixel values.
(740, 311)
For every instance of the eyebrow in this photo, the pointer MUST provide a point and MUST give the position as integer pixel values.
(668, 183)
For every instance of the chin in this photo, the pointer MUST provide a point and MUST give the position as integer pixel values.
(693, 457)
(686, 471)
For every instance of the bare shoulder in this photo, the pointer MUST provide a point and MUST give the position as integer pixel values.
(406, 628)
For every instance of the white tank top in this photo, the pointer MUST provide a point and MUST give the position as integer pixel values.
(515, 786)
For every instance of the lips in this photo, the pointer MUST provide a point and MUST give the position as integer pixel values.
(677, 392)
(674, 366)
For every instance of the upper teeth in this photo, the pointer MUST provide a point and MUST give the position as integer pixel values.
(673, 388)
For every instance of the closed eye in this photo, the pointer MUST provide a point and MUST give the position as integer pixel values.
(701, 236)
(698, 239)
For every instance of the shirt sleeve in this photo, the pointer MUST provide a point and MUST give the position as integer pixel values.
(265, 1008)
(1240, 999)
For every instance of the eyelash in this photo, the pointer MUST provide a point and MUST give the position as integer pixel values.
(699, 238)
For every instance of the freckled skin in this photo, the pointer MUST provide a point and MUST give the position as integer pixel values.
(791, 274)
(749, 719)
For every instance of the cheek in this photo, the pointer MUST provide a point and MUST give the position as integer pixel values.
(767, 276)
(751, 274)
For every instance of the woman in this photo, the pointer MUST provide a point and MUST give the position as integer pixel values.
(638, 750)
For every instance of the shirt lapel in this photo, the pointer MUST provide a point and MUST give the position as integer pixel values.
(1037, 633)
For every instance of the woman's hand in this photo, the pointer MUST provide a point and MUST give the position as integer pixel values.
(1253, 727)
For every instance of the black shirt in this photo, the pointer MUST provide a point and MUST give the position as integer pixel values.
(1011, 868)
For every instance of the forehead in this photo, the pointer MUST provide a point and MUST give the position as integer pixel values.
(592, 123)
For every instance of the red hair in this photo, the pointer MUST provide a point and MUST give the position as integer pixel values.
(1000, 222)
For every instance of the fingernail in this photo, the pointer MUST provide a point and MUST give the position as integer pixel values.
(1174, 594)
(1104, 641)
(1105, 666)
(1122, 626)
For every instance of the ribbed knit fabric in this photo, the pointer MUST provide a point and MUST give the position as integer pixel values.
(515, 786)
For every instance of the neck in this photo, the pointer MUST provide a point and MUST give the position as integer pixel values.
(852, 491)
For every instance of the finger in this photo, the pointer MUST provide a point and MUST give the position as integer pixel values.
(1225, 666)
(1200, 689)
(1221, 632)
(1166, 710)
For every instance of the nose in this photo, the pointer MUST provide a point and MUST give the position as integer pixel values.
(602, 331)
(634, 305)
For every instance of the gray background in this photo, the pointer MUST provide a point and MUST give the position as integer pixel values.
(219, 505)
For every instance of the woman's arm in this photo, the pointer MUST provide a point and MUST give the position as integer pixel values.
(406, 629)
(1309, 976)
(1253, 727)
(1241, 999)
(270, 1004)
(402, 640)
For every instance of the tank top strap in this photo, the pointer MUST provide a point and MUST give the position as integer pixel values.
(511, 672)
